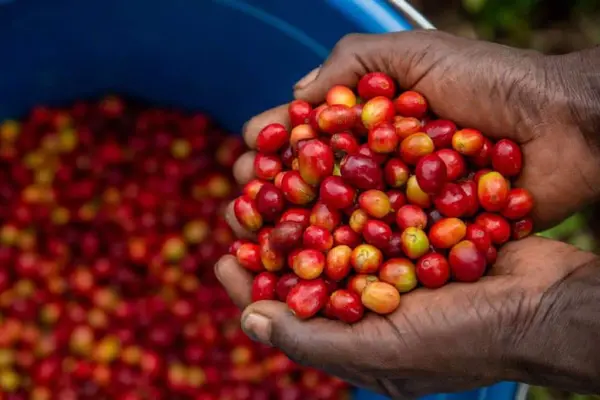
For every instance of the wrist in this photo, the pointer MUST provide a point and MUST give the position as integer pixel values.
(560, 347)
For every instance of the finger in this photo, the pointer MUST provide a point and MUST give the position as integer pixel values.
(257, 123)
(322, 343)
(396, 54)
(243, 169)
(545, 259)
(341, 68)
(235, 225)
(235, 279)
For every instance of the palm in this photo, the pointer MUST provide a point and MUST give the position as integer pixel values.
(441, 340)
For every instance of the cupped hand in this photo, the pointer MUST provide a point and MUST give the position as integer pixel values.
(462, 335)
(504, 92)
(455, 338)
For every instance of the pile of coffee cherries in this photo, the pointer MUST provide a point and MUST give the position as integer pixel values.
(110, 225)
(369, 196)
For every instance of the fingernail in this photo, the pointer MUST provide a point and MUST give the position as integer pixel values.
(217, 273)
(258, 327)
(308, 79)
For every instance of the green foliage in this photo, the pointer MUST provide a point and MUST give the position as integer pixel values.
(515, 21)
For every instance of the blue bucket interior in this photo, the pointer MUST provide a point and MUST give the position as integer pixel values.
(230, 58)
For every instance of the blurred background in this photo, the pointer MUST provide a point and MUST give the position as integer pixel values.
(550, 26)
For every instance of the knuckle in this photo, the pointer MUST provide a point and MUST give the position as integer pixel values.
(348, 42)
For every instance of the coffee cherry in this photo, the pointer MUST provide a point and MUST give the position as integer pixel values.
(300, 215)
(507, 158)
(344, 235)
(451, 201)
(406, 126)
(377, 233)
(414, 147)
(315, 161)
(492, 191)
(399, 272)
(263, 286)
(479, 236)
(358, 283)
(468, 142)
(456, 167)
(396, 173)
(267, 166)
(497, 227)
(286, 235)
(307, 298)
(433, 270)
(325, 216)
(301, 133)
(247, 213)
(484, 157)
(377, 110)
(414, 242)
(346, 306)
(380, 297)
(339, 94)
(318, 238)
(383, 138)
(376, 84)
(271, 259)
(272, 138)
(336, 193)
(336, 118)
(285, 284)
(467, 263)
(409, 216)
(366, 259)
(415, 195)
(431, 173)
(337, 265)
(269, 202)
(441, 132)
(343, 143)
(447, 232)
(518, 205)
(252, 188)
(469, 188)
(375, 203)
(296, 190)
(411, 104)
(521, 228)
(309, 264)
(379, 158)
(361, 172)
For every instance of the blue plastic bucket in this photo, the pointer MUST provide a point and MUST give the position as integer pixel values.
(231, 58)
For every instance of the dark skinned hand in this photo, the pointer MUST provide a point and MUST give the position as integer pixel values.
(462, 335)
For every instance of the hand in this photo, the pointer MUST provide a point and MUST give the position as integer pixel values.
(455, 338)
(502, 91)
(459, 336)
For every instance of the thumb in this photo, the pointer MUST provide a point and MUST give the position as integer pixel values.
(320, 342)
(307, 342)
(405, 56)
(332, 346)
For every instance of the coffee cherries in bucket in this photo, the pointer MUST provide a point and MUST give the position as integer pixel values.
(369, 196)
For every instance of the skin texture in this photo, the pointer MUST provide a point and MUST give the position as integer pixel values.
(534, 317)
